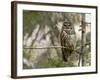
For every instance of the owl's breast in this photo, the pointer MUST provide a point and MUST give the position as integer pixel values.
(71, 41)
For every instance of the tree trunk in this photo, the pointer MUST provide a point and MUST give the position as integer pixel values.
(83, 41)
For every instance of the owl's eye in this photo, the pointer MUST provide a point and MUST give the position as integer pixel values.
(69, 24)
(65, 24)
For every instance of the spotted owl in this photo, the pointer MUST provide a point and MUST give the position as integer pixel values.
(68, 39)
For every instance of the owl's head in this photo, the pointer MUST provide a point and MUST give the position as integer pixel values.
(68, 27)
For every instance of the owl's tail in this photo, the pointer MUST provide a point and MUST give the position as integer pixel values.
(65, 54)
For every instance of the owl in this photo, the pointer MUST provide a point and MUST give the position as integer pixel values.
(68, 39)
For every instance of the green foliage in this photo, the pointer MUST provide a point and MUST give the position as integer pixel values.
(88, 48)
(57, 62)
(26, 55)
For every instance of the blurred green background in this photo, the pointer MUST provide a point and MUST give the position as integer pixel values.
(41, 31)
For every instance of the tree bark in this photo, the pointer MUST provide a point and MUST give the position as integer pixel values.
(83, 41)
